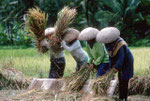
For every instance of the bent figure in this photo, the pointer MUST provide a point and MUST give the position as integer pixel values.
(98, 56)
(72, 45)
(57, 59)
(121, 58)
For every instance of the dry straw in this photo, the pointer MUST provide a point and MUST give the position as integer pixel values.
(140, 85)
(36, 24)
(64, 18)
(101, 84)
(76, 81)
(13, 79)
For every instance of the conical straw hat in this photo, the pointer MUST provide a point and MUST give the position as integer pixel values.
(71, 34)
(108, 35)
(88, 33)
(49, 31)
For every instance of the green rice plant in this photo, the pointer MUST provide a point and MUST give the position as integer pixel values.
(31, 63)
(141, 60)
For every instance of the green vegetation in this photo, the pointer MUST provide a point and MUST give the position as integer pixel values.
(132, 17)
(141, 60)
(34, 64)
(30, 62)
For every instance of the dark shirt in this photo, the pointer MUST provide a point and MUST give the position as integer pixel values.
(123, 61)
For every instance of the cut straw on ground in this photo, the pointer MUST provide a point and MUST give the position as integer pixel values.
(11, 78)
(76, 81)
(101, 84)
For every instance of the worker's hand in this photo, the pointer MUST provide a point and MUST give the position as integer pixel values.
(115, 70)
(91, 66)
(87, 65)
(53, 37)
(49, 37)
(44, 43)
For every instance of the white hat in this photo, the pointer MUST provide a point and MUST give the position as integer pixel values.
(71, 34)
(88, 33)
(49, 31)
(108, 35)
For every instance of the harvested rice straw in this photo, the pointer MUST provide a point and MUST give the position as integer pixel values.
(64, 18)
(36, 24)
(26, 93)
(13, 79)
(41, 49)
(76, 81)
(140, 85)
(101, 84)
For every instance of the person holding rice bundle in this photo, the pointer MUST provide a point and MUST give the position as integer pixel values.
(57, 59)
(98, 56)
(121, 59)
(72, 45)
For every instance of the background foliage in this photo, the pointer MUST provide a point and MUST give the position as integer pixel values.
(132, 17)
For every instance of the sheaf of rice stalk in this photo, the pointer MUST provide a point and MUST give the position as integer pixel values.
(101, 84)
(76, 81)
(36, 24)
(64, 18)
(13, 79)
(140, 85)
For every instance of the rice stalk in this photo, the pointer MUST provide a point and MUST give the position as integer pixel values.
(64, 18)
(36, 24)
(101, 84)
(13, 79)
(140, 85)
(76, 81)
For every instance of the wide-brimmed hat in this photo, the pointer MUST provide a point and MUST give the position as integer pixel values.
(88, 34)
(71, 34)
(108, 35)
(49, 31)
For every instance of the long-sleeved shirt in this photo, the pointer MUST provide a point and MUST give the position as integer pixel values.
(123, 61)
(76, 50)
(57, 54)
(97, 54)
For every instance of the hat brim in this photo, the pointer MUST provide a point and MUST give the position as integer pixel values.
(71, 34)
(88, 34)
(50, 31)
(108, 35)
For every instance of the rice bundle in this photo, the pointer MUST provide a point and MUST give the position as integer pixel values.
(64, 18)
(36, 24)
(76, 81)
(101, 84)
(10, 78)
(140, 85)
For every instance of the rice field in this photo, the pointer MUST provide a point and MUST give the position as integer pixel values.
(141, 60)
(31, 63)
(34, 64)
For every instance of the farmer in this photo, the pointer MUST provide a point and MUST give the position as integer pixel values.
(72, 45)
(98, 56)
(121, 59)
(56, 58)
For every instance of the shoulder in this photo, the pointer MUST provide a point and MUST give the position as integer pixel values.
(121, 50)
(77, 41)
